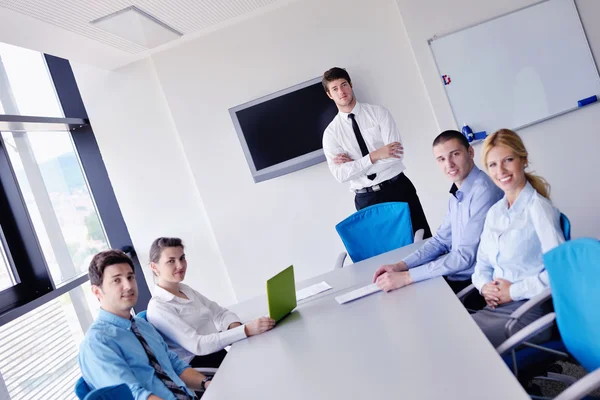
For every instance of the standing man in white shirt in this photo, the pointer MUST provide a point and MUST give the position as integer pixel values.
(363, 146)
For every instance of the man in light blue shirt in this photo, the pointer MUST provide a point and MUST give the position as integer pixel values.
(451, 253)
(121, 349)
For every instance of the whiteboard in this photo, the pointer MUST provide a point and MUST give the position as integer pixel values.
(517, 69)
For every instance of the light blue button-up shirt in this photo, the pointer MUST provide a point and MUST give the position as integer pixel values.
(513, 242)
(111, 354)
(452, 251)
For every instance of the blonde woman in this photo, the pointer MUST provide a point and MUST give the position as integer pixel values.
(518, 230)
(195, 328)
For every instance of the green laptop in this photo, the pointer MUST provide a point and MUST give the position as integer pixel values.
(281, 294)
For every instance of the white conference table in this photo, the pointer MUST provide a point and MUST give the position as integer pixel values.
(417, 342)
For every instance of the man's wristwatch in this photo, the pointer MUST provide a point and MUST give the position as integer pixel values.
(203, 384)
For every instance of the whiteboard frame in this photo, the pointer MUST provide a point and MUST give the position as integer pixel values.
(591, 54)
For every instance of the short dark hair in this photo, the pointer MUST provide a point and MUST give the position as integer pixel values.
(449, 135)
(160, 244)
(103, 260)
(334, 74)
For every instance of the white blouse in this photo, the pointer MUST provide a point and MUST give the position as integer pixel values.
(513, 242)
(197, 326)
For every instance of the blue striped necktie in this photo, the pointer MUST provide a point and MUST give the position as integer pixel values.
(178, 392)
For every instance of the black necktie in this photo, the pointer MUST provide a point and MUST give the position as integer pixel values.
(361, 141)
(178, 392)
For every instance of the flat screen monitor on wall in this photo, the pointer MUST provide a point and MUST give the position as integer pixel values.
(282, 132)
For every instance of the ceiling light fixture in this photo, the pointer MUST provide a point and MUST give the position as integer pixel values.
(138, 27)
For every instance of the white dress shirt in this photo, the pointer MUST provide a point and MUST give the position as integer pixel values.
(513, 242)
(378, 129)
(197, 326)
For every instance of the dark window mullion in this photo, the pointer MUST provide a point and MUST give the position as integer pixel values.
(94, 168)
(22, 242)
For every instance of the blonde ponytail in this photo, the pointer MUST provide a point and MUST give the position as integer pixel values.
(539, 184)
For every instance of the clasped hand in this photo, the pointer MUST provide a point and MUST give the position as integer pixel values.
(496, 292)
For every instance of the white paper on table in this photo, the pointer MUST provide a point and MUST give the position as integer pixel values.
(358, 293)
(312, 290)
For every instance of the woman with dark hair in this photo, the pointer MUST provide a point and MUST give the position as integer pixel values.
(195, 328)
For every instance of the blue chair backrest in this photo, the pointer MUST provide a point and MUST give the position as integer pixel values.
(142, 314)
(565, 225)
(81, 388)
(375, 230)
(117, 392)
(574, 271)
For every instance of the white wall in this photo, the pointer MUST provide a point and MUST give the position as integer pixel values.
(149, 172)
(261, 228)
(168, 117)
(564, 149)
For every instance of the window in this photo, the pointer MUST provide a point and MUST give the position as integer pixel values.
(58, 200)
(39, 349)
(31, 86)
(57, 210)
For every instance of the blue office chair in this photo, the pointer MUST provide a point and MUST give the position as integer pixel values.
(117, 392)
(574, 270)
(375, 230)
(565, 225)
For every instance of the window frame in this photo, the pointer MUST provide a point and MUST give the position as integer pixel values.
(28, 262)
(35, 286)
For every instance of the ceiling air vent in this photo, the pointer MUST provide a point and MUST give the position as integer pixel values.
(138, 27)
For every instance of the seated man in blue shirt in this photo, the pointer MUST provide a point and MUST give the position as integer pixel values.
(452, 252)
(121, 349)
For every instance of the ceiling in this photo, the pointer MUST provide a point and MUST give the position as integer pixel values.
(190, 17)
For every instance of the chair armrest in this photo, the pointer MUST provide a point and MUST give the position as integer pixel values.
(207, 370)
(463, 293)
(526, 333)
(339, 262)
(525, 308)
(560, 378)
(419, 235)
(534, 301)
(582, 387)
